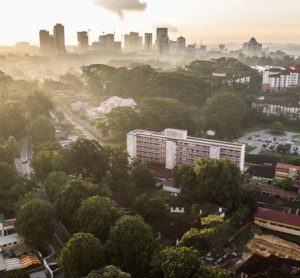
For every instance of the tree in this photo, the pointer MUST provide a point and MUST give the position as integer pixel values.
(151, 208)
(15, 274)
(131, 245)
(42, 130)
(186, 179)
(54, 184)
(176, 262)
(142, 176)
(97, 215)
(219, 181)
(225, 112)
(87, 159)
(9, 151)
(117, 177)
(277, 128)
(196, 239)
(70, 197)
(82, 254)
(284, 149)
(46, 161)
(110, 271)
(34, 222)
(205, 271)
(286, 184)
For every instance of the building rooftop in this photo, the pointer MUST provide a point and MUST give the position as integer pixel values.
(287, 166)
(4, 240)
(267, 172)
(272, 190)
(278, 217)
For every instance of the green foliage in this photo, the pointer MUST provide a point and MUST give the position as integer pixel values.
(82, 254)
(205, 271)
(142, 176)
(131, 245)
(87, 159)
(97, 215)
(15, 274)
(34, 222)
(110, 271)
(196, 239)
(277, 128)
(239, 217)
(46, 161)
(225, 113)
(286, 184)
(284, 149)
(54, 184)
(176, 262)
(42, 130)
(151, 208)
(9, 151)
(69, 199)
(117, 177)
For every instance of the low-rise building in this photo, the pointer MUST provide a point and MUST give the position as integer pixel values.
(6, 225)
(278, 107)
(277, 221)
(173, 147)
(284, 171)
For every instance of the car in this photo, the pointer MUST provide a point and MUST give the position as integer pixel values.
(24, 161)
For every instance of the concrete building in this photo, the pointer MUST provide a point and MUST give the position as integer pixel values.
(133, 42)
(162, 41)
(278, 107)
(7, 226)
(284, 171)
(173, 147)
(252, 48)
(83, 41)
(275, 79)
(148, 42)
(107, 42)
(59, 39)
(278, 221)
(181, 45)
(46, 42)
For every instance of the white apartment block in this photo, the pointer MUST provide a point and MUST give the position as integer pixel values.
(275, 79)
(173, 147)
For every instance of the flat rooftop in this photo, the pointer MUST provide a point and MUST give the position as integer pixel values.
(188, 138)
(10, 239)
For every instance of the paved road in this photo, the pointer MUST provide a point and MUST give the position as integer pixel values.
(85, 129)
(23, 162)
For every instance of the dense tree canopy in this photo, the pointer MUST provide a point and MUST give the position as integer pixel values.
(34, 222)
(82, 254)
(142, 176)
(110, 271)
(97, 215)
(131, 245)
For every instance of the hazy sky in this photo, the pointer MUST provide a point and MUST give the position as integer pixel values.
(214, 20)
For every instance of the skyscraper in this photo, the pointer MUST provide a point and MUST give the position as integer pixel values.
(59, 39)
(162, 40)
(132, 41)
(107, 42)
(252, 48)
(83, 41)
(46, 42)
(181, 45)
(148, 41)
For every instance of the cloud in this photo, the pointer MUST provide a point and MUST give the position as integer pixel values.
(171, 28)
(119, 6)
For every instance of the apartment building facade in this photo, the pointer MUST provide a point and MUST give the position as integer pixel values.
(174, 147)
(275, 79)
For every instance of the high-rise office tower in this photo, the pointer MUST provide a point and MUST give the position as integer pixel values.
(252, 48)
(148, 41)
(107, 42)
(46, 42)
(59, 39)
(133, 42)
(181, 45)
(83, 41)
(162, 40)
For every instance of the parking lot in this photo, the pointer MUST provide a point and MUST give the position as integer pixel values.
(263, 140)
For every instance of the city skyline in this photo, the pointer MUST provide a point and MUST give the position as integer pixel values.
(233, 21)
